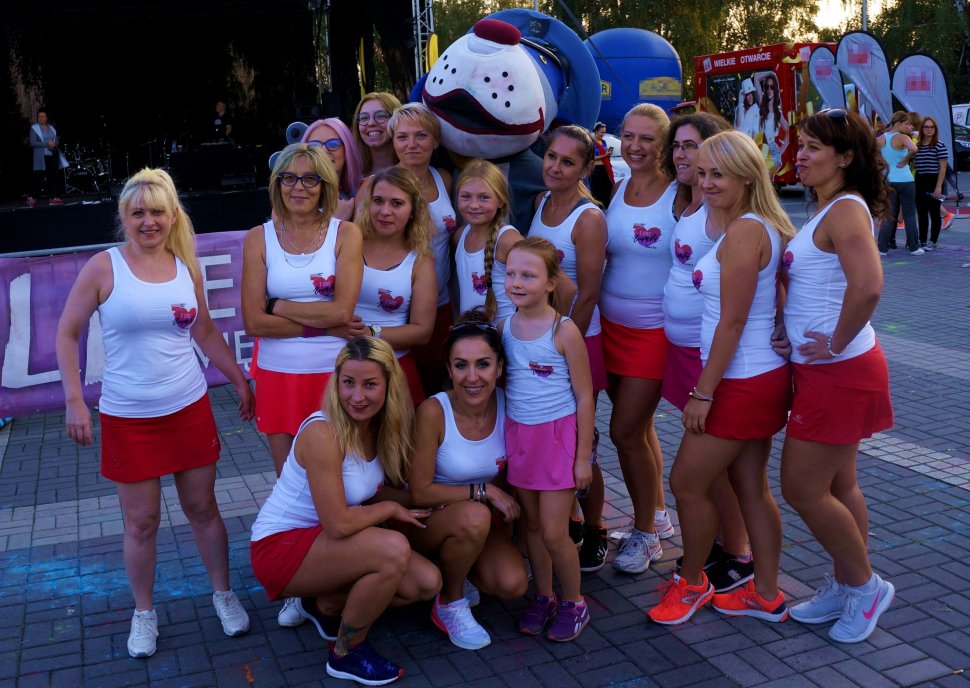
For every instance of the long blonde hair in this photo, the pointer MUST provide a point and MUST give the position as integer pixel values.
(156, 190)
(495, 181)
(394, 423)
(736, 155)
(390, 103)
(417, 234)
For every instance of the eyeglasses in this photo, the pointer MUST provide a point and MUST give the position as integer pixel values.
(379, 117)
(329, 144)
(466, 324)
(289, 179)
(928, 126)
(685, 146)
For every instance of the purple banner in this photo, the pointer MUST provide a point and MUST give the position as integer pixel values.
(34, 293)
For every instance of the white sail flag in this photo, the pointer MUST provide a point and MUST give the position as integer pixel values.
(825, 77)
(862, 61)
(919, 84)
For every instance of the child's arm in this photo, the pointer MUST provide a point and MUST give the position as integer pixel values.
(570, 343)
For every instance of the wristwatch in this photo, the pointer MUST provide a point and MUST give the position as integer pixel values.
(376, 330)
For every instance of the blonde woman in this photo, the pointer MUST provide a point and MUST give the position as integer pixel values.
(148, 294)
(318, 538)
(742, 396)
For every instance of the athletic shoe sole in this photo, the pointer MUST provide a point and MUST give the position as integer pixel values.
(593, 568)
(831, 616)
(363, 681)
(757, 614)
(700, 602)
(573, 636)
(440, 625)
(871, 626)
(312, 619)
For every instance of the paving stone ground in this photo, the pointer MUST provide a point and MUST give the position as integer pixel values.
(65, 605)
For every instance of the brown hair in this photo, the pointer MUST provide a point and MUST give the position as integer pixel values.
(587, 151)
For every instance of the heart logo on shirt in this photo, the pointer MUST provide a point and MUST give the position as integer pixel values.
(682, 251)
(183, 317)
(646, 237)
(479, 284)
(323, 285)
(388, 303)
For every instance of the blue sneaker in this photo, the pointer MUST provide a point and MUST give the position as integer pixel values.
(327, 626)
(364, 665)
(4, 422)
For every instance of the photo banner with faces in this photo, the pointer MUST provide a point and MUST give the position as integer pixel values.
(826, 77)
(919, 84)
(862, 61)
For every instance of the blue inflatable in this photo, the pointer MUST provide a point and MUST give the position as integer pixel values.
(635, 66)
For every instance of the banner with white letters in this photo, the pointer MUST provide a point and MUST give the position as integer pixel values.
(34, 293)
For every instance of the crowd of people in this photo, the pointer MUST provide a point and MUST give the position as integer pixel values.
(426, 375)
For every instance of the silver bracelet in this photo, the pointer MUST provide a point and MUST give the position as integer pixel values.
(828, 347)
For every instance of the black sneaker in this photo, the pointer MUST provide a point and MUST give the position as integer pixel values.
(576, 532)
(327, 626)
(728, 574)
(717, 554)
(364, 665)
(592, 555)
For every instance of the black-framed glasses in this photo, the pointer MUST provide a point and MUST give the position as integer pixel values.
(685, 146)
(329, 144)
(289, 179)
(468, 324)
(379, 117)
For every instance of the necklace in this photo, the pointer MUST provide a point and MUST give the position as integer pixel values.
(314, 241)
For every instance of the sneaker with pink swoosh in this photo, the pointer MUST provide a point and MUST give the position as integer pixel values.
(861, 610)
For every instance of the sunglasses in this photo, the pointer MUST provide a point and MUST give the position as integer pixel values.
(469, 324)
(289, 179)
(379, 117)
(329, 144)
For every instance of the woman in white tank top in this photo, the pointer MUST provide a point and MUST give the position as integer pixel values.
(152, 306)
(459, 469)
(300, 282)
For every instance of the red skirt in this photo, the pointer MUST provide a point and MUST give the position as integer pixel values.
(634, 353)
(136, 449)
(841, 403)
(597, 364)
(410, 369)
(753, 408)
(276, 558)
(430, 358)
(284, 400)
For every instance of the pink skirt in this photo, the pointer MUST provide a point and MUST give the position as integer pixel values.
(753, 408)
(680, 376)
(540, 457)
(276, 558)
(841, 403)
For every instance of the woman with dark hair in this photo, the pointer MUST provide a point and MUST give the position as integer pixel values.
(601, 178)
(930, 162)
(840, 376)
(772, 122)
(897, 149)
(459, 469)
(318, 537)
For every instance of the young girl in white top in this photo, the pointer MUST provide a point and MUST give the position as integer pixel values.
(482, 246)
(548, 434)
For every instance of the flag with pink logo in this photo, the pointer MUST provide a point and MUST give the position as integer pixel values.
(826, 77)
(861, 60)
(919, 84)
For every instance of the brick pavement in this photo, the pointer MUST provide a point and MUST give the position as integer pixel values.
(65, 605)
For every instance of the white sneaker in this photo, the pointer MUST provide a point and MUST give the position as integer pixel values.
(470, 593)
(637, 551)
(144, 631)
(235, 620)
(457, 621)
(826, 605)
(289, 616)
(861, 611)
(917, 252)
(662, 524)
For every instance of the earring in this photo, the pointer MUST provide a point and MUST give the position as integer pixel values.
(843, 165)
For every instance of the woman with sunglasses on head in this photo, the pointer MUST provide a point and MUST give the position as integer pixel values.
(840, 375)
(897, 149)
(301, 279)
(399, 289)
(742, 395)
(415, 133)
(370, 131)
(319, 536)
(640, 222)
(728, 564)
(335, 138)
(459, 471)
(930, 162)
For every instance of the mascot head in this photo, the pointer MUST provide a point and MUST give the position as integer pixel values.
(499, 87)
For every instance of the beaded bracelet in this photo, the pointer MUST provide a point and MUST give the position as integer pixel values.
(828, 347)
(694, 394)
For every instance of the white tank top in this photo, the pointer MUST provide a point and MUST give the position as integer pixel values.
(754, 354)
(470, 273)
(461, 461)
(637, 259)
(538, 388)
(385, 295)
(443, 219)
(683, 304)
(294, 278)
(561, 237)
(816, 290)
(150, 367)
(290, 504)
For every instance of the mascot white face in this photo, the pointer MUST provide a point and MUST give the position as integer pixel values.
(488, 94)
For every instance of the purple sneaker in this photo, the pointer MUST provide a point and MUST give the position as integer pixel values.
(363, 665)
(570, 621)
(537, 616)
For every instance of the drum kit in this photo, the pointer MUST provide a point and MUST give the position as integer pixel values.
(87, 173)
